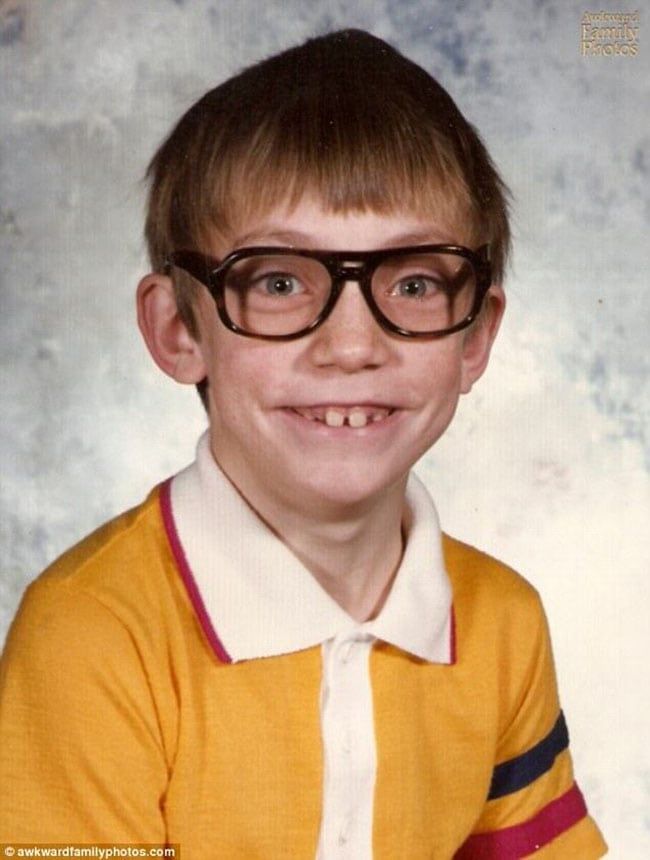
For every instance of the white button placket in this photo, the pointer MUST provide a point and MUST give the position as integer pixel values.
(348, 748)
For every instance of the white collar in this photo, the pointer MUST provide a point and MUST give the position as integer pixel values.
(255, 599)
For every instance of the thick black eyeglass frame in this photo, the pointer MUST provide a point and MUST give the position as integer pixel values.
(212, 274)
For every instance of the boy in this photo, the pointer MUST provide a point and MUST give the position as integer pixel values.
(278, 654)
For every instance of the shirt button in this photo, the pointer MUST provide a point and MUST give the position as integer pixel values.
(344, 832)
(346, 651)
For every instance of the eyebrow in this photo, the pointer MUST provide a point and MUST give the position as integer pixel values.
(298, 239)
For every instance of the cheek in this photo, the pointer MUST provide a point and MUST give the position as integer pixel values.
(436, 372)
(233, 381)
(242, 374)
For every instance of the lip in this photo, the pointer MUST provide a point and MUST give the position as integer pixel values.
(344, 404)
(312, 425)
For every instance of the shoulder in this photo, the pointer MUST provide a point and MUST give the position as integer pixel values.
(113, 546)
(110, 580)
(119, 555)
(484, 582)
(106, 623)
(499, 617)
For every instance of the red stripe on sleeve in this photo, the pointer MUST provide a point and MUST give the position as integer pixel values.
(521, 840)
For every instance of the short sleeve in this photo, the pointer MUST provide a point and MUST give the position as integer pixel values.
(534, 806)
(81, 757)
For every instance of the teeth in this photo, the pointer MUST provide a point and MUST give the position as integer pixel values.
(357, 418)
(336, 416)
(333, 418)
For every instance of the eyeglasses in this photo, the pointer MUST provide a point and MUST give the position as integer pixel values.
(285, 293)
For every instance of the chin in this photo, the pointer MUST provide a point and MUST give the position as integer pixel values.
(341, 486)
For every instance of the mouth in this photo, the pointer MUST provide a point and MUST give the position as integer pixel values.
(356, 417)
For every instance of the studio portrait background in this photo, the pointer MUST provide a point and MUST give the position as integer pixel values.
(546, 465)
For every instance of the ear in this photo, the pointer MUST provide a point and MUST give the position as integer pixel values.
(480, 337)
(168, 340)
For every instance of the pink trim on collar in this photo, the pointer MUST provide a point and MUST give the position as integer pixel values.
(186, 573)
(452, 636)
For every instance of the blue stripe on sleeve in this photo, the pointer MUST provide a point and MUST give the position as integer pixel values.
(516, 773)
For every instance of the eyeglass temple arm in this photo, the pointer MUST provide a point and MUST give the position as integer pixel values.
(198, 265)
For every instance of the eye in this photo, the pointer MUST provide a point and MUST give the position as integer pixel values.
(415, 287)
(280, 284)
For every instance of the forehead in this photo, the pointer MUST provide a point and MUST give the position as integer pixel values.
(308, 224)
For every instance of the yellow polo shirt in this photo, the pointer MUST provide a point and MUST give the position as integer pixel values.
(132, 711)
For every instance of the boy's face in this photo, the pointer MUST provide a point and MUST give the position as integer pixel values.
(267, 400)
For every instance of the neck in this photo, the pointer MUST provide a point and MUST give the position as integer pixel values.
(353, 559)
(353, 551)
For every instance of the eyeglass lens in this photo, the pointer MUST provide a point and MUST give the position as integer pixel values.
(282, 294)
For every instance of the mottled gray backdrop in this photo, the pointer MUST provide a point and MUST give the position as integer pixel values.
(547, 463)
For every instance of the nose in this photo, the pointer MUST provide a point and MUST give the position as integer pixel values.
(350, 338)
